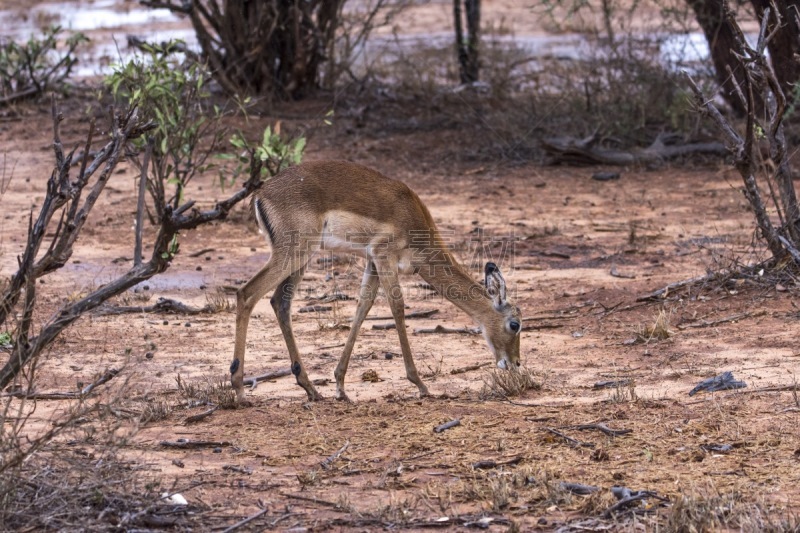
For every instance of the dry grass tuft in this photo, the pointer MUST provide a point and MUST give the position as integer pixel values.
(509, 383)
(658, 330)
(218, 302)
(207, 391)
(624, 392)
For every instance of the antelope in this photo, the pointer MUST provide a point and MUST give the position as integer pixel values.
(338, 205)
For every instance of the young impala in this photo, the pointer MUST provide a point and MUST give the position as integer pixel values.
(336, 205)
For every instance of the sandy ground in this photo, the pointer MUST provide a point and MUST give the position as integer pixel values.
(577, 254)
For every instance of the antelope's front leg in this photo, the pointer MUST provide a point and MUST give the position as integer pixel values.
(387, 270)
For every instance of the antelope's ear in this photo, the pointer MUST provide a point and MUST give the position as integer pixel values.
(495, 285)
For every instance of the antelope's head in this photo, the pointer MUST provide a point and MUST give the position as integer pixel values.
(502, 329)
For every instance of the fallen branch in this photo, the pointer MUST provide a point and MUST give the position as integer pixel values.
(83, 393)
(731, 318)
(626, 497)
(312, 500)
(244, 522)
(578, 488)
(600, 427)
(470, 368)
(186, 444)
(255, 380)
(568, 150)
(409, 316)
(612, 384)
(575, 443)
(447, 425)
(723, 381)
(202, 252)
(488, 464)
(200, 416)
(664, 292)
(238, 469)
(163, 305)
(442, 329)
(326, 464)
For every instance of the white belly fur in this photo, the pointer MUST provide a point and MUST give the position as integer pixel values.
(347, 232)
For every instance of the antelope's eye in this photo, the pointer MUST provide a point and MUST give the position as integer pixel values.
(515, 326)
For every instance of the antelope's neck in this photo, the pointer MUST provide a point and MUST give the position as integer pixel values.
(451, 280)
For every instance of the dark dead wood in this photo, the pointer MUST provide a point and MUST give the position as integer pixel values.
(242, 523)
(442, 329)
(627, 496)
(409, 316)
(723, 381)
(255, 380)
(489, 464)
(21, 95)
(202, 252)
(163, 305)
(447, 425)
(574, 443)
(315, 309)
(470, 368)
(612, 384)
(664, 292)
(187, 444)
(383, 327)
(778, 388)
(83, 393)
(535, 327)
(201, 416)
(600, 427)
(568, 150)
(328, 462)
(578, 488)
(312, 500)
(137, 245)
(731, 318)
(617, 274)
(238, 469)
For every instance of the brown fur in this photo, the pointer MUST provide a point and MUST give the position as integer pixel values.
(342, 205)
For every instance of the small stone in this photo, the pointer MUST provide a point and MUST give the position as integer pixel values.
(166, 322)
(188, 324)
(148, 355)
(217, 450)
(199, 268)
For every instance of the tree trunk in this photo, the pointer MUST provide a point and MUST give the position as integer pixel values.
(267, 48)
(467, 49)
(785, 44)
(713, 18)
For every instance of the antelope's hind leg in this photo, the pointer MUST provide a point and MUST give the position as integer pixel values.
(277, 269)
(369, 289)
(282, 304)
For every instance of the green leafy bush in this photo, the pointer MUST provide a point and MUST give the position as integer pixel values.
(174, 94)
(36, 66)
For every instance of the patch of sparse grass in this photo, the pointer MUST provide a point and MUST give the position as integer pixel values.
(155, 410)
(209, 390)
(624, 392)
(218, 301)
(433, 370)
(509, 383)
(658, 330)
